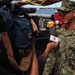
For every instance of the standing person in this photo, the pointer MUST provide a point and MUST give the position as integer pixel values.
(3, 55)
(8, 65)
(42, 59)
(62, 61)
(57, 17)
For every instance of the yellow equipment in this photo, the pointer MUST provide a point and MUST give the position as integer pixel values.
(50, 24)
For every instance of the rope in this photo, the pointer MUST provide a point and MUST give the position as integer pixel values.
(43, 1)
(36, 3)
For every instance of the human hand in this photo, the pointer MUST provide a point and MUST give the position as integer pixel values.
(49, 47)
(34, 28)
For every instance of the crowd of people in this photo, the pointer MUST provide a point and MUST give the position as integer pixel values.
(57, 58)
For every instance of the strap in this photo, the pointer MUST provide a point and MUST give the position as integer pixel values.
(35, 3)
(10, 54)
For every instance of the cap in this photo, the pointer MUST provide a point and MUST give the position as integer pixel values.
(67, 5)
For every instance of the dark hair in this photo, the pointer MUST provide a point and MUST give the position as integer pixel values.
(7, 0)
(52, 17)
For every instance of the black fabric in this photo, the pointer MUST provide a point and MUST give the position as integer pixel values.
(15, 9)
(36, 33)
(5, 68)
(2, 25)
(27, 16)
(41, 63)
(4, 72)
(22, 33)
(52, 17)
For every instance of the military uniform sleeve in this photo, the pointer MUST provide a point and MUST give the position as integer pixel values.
(50, 63)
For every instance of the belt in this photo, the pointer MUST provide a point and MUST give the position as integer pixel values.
(23, 52)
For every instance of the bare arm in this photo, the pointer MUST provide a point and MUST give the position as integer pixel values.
(50, 46)
(34, 65)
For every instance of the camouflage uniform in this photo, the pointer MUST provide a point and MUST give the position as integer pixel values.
(63, 59)
(67, 5)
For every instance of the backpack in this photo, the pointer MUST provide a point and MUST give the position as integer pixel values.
(22, 41)
(22, 33)
(8, 19)
(18, 37)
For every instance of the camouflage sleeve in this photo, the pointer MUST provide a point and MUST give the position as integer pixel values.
(49, 65)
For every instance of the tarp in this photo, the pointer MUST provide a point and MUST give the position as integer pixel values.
(37, 2)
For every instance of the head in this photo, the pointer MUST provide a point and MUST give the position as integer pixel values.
(7, 1)
(67, 10)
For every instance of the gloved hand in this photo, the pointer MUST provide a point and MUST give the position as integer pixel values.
(36, 33)
(2, 25)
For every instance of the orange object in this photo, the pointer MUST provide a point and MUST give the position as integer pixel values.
(50, 24)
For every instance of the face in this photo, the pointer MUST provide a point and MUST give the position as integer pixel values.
(67, 16)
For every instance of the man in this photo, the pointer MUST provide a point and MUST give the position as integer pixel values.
(42, 59)
(3, 56)
(56, 17)
(62, 61)
(7, 66)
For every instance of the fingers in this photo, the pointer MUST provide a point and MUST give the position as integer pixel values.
(51, 45)
(34, 26)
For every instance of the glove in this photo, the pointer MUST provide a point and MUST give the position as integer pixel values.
(2, 25)
(36, 33)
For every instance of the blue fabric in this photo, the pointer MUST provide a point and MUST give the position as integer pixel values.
(22, 33)
(41, 63)
(8, 19)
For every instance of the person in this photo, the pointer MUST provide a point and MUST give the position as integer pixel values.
(42, 58)
(57, 17)
(62, 60)
(7, 65)
(4, 64)
(3, 55)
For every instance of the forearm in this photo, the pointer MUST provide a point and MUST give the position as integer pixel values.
(9, 51)
(49, 65)
(34, 65)
(50, 47)
(34, 68)
(46, 53)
